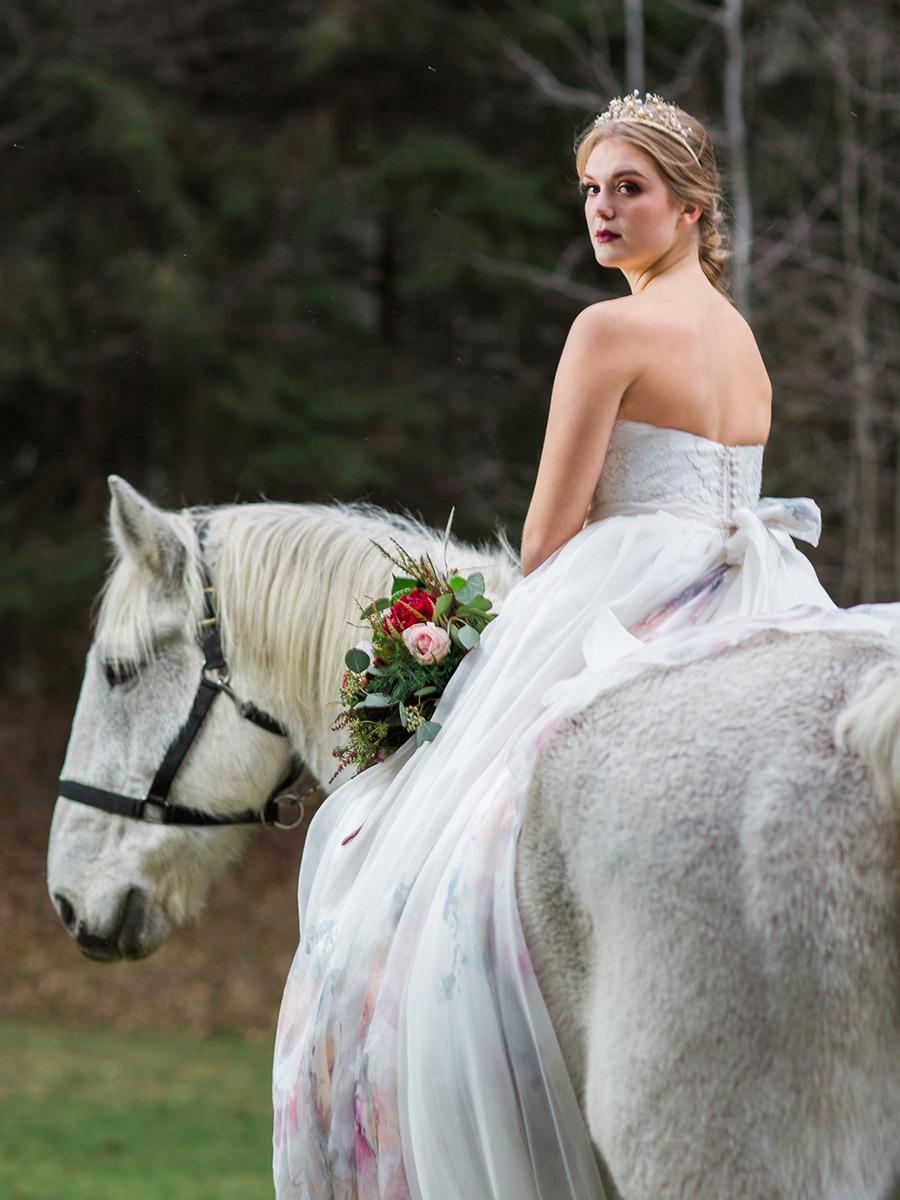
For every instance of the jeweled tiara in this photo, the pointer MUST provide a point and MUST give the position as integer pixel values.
(652, 110)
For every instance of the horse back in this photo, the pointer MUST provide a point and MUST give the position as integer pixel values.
(709, 879)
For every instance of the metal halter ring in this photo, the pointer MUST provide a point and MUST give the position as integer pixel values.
(271, 814)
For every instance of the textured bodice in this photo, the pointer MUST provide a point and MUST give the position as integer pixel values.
(647, 464)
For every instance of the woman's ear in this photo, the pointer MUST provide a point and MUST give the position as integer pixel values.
(690, 214)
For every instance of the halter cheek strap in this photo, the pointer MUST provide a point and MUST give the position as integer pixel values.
(155, 808)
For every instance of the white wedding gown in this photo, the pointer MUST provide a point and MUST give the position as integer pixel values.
(414, 1056)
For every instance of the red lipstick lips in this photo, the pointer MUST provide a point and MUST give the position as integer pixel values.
(604, 235)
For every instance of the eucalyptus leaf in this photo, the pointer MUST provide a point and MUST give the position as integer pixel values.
(425, 691)
(382, 603)
(474, 586)
(442, 604)
(468, 637)
(375, 700)
(470, 610)
(457, 582)
(480, 602)
(427, 732)
(357, 660)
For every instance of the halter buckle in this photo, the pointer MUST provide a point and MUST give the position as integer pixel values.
(221, 681)
(155, 812)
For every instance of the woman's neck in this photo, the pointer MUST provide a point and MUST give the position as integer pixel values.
(681, 270)
(681, 263)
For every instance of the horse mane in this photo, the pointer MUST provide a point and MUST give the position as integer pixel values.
(290, 579)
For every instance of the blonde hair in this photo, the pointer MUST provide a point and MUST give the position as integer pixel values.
(689, 170)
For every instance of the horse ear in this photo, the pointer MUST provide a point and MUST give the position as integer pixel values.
(144, 531)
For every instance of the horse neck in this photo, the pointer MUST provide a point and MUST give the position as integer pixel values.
(289, 579)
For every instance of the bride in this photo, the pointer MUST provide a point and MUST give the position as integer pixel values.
(415, 1057)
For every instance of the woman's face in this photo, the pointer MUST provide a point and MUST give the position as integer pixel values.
(631, 215)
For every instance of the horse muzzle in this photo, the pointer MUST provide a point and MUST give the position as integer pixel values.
(136, 932)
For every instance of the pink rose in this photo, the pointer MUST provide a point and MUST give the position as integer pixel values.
(427, 642)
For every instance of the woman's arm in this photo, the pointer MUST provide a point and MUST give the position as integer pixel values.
(596, 368)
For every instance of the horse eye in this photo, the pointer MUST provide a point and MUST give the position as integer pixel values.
(118, 673)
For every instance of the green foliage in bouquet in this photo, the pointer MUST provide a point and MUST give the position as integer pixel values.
(419, 636)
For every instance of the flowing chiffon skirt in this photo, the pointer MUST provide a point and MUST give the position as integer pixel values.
(414, 1055)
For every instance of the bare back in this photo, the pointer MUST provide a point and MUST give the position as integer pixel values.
(675, 354)
(697, 366)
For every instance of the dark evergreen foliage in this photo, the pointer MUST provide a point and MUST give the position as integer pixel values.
(310, 250)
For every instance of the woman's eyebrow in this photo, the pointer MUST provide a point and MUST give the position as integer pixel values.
(617, 173)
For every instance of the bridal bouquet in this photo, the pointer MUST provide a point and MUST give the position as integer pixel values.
(395, 676)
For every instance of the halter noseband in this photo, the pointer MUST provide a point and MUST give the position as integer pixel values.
(155, 808)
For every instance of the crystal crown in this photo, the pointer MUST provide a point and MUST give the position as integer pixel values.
(652, 110)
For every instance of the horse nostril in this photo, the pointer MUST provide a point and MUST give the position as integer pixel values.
(131, 932)
(66, 912)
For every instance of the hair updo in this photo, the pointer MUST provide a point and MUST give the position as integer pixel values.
(690, 180)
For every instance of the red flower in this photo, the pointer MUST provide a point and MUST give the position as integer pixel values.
(410, 609)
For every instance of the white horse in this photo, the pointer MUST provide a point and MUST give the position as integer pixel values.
(714, 915)
(286, 579)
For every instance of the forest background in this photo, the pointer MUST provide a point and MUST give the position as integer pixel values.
(330, 248)
(315, 249)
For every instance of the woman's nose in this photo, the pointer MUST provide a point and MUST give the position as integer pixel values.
(602, 205)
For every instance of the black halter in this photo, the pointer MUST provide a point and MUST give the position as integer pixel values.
(155, 807)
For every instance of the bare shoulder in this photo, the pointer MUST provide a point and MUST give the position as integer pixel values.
(703, 318)
(613, 329)
(732, 318)
(619, 315)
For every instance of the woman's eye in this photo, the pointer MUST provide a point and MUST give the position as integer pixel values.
(118, 673)
(588, 189)
(629, 189)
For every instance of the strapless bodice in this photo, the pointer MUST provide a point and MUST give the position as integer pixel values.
(648, 464)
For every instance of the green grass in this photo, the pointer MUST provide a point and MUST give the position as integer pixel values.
(106, 1116)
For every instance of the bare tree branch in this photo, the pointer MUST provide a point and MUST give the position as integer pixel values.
(546, 82)
(687, 65)
(796, 233)
(593, 54)
(546, 280)
(834, 50)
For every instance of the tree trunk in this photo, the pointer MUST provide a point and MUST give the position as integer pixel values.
(860, 568)
(736, 129)
(634, 45)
